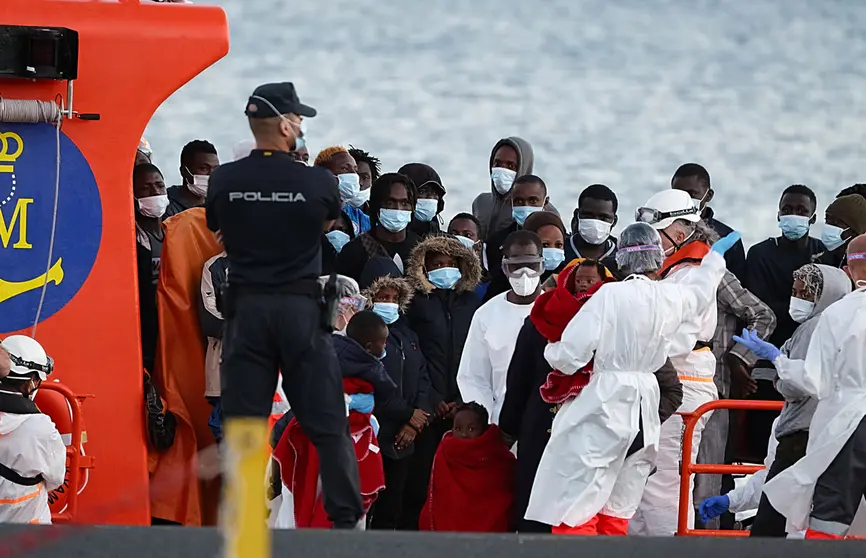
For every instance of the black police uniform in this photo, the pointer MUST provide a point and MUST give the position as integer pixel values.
(271, 213)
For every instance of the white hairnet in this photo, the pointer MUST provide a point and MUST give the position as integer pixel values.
(640, 249)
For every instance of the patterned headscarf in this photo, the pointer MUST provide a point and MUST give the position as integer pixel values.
(812, 278)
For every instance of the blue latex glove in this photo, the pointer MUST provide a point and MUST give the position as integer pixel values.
(724, 244)
(361, 402)
(375, 424)
(764, 350)
(714, 507)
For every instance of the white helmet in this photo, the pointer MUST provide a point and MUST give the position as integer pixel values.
(661, 210)
(28, 357)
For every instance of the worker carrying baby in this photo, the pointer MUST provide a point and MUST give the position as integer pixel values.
(32, 454)
(822, 491)
(603, 443)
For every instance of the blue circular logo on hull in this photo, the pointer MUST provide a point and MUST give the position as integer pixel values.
(28, 174)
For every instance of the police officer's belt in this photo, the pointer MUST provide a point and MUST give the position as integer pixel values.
(304, 287)
(703, 345)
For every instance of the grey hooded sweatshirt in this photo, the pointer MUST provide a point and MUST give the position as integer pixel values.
(493, 209)
(799, 407)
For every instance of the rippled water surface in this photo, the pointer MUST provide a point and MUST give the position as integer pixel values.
(764, 93)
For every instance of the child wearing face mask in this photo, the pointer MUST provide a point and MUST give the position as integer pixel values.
(472, 485)
(816, 287)
(367, 387)
(444, 274)
(390, 296)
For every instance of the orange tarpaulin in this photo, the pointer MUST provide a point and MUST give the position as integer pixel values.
(176, 494)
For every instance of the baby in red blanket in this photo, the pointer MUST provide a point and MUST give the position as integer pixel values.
(472, 481)
(552, 312)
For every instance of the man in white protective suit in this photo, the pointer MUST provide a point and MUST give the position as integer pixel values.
(603, 443)
(822, 491)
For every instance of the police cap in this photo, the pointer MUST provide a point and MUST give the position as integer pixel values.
(281, 96)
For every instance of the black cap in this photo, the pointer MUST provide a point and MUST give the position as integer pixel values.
(282, 96)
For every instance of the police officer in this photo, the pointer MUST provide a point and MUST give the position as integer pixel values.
(272, 213)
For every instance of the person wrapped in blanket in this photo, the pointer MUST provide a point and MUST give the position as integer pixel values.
(472, 481)
(535, 391)
(367, 385)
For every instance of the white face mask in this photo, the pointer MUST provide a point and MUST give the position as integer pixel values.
(525, 284)
(800, 309)
(594, 231)
(502, 179)
(199, 184)
(349, 185)
(153, 206)
(362, 197)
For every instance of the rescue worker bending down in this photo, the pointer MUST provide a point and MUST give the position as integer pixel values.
(32, 454)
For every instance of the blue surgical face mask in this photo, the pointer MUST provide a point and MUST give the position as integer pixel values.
(349, 185)
(553, 258)
(338, 239)
(465, 241)
(832, 237)
(388, 311)
(444, 277)
(521, 212)
(794, 227)
(300, 143)
(394, 220)
(425, 209)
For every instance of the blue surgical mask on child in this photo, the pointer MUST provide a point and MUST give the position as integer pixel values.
(521, 212)
(553, 258)
(338, 239)
(388, 311)
(394, 220)
(794, 227)
(444, 277)
(383, 355)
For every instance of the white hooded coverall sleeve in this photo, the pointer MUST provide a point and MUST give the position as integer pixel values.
(475, 374)
(748, 496)
(49, 453)
(810, 375)
(579, 339)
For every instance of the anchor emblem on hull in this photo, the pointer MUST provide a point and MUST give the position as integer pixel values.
(11, 289)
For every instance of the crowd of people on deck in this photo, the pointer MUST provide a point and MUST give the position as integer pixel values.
(511, 370)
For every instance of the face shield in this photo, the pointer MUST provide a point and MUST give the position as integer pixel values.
(531, 266)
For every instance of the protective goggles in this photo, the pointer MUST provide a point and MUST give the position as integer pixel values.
(652, 216)
(44, 370)
(531, 266)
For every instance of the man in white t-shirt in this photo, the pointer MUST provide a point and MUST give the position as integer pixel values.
(493, 334)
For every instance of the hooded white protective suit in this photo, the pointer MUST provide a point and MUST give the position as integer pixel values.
(628, 329)
(834, 372)
(657, 514)
(31, 446)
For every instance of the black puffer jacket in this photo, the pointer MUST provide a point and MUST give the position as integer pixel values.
(404, 361)
(441, 318)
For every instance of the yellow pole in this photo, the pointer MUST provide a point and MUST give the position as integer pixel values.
(244, 514)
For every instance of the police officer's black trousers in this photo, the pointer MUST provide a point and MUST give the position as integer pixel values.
(841, 487)
(271, 333)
